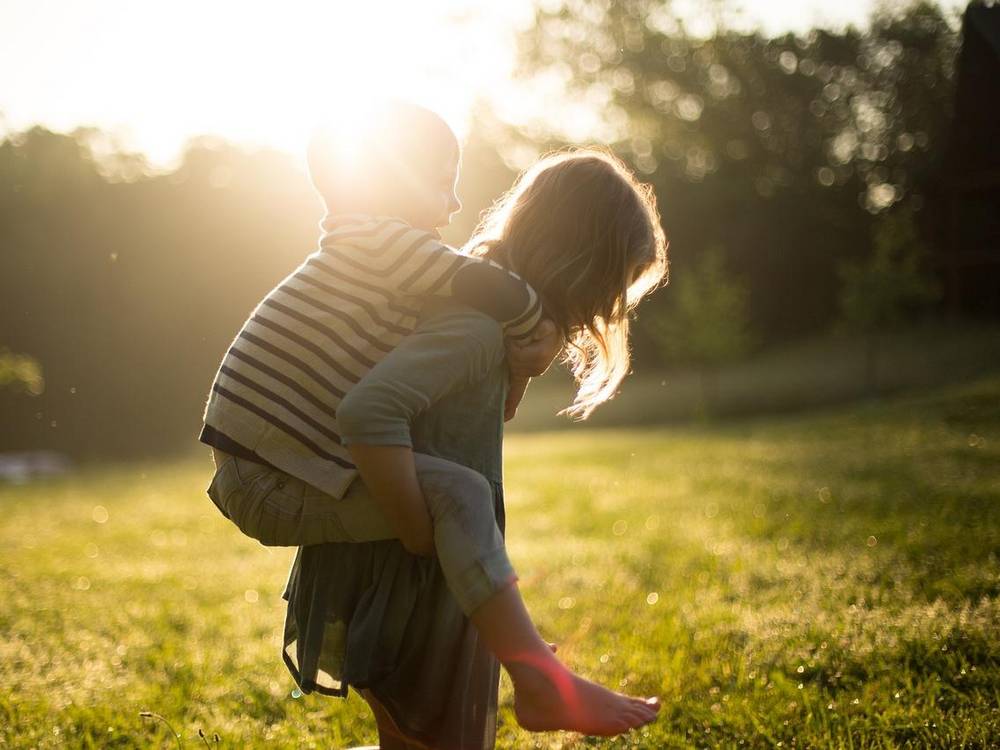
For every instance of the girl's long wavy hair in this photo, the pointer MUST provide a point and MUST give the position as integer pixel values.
(586, 234)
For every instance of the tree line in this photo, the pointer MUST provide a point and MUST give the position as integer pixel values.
(791, 172)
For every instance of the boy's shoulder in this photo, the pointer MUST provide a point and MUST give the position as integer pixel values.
(453, 317)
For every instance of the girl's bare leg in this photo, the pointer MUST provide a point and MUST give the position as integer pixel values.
(547, 695)
(389, 735)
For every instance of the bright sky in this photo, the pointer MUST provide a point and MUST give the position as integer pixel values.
(156, 73)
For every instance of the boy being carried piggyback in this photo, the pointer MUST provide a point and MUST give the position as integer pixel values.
(271, 417)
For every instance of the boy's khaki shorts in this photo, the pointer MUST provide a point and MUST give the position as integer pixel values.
(277, 509)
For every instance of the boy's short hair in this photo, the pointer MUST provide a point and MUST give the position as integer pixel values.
(377, 162)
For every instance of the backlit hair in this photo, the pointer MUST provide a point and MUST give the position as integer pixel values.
(586, 234)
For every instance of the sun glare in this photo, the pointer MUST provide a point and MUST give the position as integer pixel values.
(332, 62)
(156, 75)
(344, 128)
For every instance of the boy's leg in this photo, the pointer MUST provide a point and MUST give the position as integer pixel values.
(277, 509)
(468, 542)
(547, 695)
(469, 545)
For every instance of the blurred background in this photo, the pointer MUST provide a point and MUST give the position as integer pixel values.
(829, 179)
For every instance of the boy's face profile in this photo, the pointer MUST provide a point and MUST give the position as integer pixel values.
(436, 202)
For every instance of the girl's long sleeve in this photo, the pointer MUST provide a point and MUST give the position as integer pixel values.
(452, 347)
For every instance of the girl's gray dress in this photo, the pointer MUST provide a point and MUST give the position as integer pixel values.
(371, 615)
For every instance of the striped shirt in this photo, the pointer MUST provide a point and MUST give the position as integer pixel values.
(323, 327)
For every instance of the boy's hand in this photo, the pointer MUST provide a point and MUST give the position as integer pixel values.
(531, 358)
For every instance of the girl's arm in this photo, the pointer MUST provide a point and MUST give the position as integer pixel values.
(447, 351)
(389, 474)
(400, 259)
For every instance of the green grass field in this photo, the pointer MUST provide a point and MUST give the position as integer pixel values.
(828, 580)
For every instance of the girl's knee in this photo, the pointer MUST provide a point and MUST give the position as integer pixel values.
(440, 478)
(460, 497)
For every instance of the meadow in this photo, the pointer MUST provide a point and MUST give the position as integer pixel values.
(827, 579)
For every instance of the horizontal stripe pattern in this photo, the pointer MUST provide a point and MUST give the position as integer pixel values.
(278, 400)
(290, 361)
(270, 419)
(341, 295)
(521, 327)
(319, 331)
(289, 382)
(361, 287)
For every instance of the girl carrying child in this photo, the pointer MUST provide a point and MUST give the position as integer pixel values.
(371, 608)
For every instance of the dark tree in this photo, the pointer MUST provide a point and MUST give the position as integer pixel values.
(779, 151)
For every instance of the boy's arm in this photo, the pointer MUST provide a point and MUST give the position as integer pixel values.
(400, 259)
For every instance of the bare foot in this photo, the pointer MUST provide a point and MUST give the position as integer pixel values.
(548, 697)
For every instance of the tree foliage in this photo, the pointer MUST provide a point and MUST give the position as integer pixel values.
(780, 151)
(21, 373)
(705, 322)
(128, 291)
(128, 285)
(877, 290)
